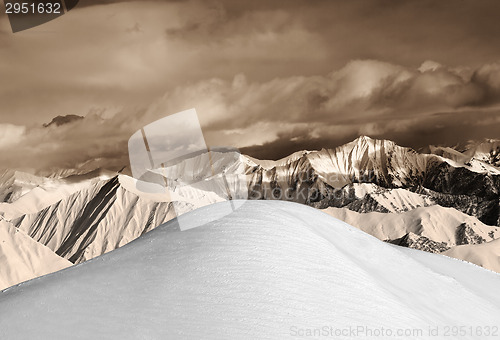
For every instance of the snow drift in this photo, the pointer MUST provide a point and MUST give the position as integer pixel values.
(445, 226)
(22, 258)
(264, 272)
(486, 255)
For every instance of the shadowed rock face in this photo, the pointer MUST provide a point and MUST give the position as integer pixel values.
(420, 242)
(467, 235)
(486, 210)
(61, 120)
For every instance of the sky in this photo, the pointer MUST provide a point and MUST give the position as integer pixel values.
(267, 77)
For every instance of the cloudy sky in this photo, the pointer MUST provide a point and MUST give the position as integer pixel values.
(268, 77)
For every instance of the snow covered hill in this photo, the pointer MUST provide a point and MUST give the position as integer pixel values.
(486, 255)
(22, 258)
(445, 226)
(271, 270)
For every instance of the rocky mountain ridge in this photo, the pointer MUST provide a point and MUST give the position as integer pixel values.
(83, 216)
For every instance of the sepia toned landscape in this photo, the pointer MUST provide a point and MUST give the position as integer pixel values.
(251, 170)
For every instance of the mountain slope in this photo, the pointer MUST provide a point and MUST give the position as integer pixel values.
(265, 271)
(84, 216)
(487, 151)
(441, 225)
(317, 178)
(14, 184)
(486, 255)
(367, 197)
(110, 213)
(94, 221)
(22, 258)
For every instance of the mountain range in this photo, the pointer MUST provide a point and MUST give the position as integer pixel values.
(443, 200)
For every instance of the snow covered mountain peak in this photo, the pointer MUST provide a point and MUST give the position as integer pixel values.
(366, 141)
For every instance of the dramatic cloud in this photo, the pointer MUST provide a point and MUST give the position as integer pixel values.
(127, 54)
(362, 93)
(270, 77)
(116, 54)
(429, 105)
(11, 135)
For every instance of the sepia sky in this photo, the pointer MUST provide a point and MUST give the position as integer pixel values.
(268, 77)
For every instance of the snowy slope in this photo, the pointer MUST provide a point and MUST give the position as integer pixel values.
(25, 193)
(486, 255)
(40, 197)
(368, 159)
(434, 222)
(487, 151)
(318, 178)
(370, 197)
(14, 184)
(476, 161)
(263, 272)
(110, 213)
(22, 258)
(400, 200)
(95, 220)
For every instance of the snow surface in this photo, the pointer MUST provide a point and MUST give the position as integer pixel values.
(22, 258)
(434, 222)
(488, 151)
(394, 200)
(486, 255)
(262, 272)
(96, 220)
